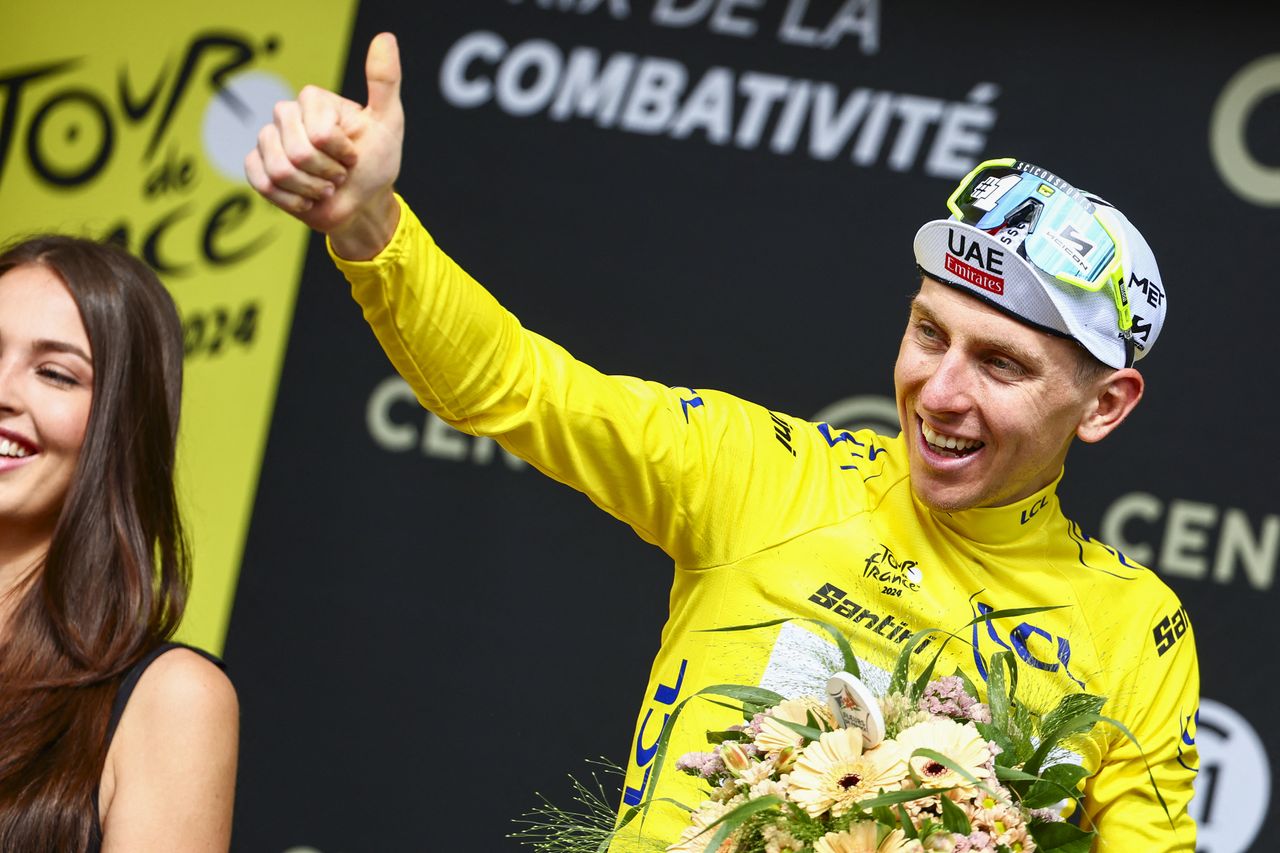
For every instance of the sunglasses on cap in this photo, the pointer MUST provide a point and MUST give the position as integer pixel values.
(1060, 230)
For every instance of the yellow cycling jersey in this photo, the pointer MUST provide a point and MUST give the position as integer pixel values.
(770, 517)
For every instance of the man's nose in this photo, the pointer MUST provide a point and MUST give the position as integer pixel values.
(949, 389)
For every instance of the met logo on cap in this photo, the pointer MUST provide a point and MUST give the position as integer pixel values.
(967, 260)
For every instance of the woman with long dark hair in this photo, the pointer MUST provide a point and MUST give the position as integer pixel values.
(111, 737)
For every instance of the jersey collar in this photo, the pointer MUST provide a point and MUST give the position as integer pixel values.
(1003, 525)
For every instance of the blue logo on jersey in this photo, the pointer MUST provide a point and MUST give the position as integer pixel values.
(664, 696)
(1187, 741)
(1028, 514)
(693, 403)
(846, 436)
(1019, 641)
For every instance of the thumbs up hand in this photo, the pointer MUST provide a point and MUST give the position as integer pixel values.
(331, 162)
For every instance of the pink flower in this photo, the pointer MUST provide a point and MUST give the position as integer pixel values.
(946, 697)
(981, 842)
(705, 764)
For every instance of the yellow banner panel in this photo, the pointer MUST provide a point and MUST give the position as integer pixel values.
(132, 121)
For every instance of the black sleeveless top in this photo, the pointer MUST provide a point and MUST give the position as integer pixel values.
(127, 685)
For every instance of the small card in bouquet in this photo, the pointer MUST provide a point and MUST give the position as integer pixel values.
(855, 706)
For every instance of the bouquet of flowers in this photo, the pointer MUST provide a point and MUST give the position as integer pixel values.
(916, 776)
(928, 765)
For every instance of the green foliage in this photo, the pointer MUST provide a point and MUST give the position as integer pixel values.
(953, 818)
(586, 828)
(908, 828)
(729, 735)
(1001, 738)
(893, 798)
(902, 666)
(1060, 838)
(1000, 694)
(1075, 714)
(968, 685)
(1057, 783)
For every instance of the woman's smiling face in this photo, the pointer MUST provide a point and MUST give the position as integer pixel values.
(46, 389)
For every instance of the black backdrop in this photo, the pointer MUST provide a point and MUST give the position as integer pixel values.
(425, 634)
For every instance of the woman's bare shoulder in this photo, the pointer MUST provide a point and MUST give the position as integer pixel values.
(171, 765)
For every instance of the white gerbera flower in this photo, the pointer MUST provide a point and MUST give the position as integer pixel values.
(833, 772)
(861, 838)
(774, 736)
(960, 742)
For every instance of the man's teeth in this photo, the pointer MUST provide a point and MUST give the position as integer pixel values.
(950, 442)
(11, 448)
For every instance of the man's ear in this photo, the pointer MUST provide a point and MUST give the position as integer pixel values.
(1113, 398)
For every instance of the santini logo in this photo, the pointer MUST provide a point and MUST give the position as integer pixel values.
(972, 263)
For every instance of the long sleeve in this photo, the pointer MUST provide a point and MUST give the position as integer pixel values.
(674, 463)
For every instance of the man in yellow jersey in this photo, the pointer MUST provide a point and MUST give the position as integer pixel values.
(1035, 301)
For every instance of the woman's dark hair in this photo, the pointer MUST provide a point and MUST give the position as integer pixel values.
(114, 581)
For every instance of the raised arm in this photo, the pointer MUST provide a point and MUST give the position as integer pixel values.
(331, 163)
(676, 464)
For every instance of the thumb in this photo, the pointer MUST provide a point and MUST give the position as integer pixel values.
(382, 75)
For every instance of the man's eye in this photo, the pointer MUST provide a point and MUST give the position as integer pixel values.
(1005, 365)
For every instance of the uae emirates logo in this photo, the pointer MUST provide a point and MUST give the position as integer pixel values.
(973, 263)
(974, 276)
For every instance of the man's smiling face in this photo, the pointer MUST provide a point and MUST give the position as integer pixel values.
(988, 405)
